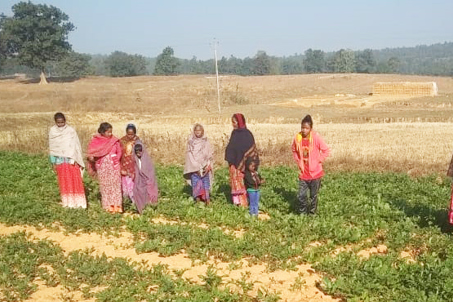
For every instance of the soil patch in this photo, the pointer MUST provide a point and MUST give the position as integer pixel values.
(283, 282)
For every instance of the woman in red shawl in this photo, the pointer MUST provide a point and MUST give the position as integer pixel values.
(240, 147)
(127, 160)
(104, 154)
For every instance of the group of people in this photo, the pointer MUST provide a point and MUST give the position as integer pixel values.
(124, 168)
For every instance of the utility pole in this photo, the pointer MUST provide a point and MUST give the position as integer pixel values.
(217, 72)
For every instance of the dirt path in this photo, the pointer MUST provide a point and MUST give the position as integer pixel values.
(278, 281)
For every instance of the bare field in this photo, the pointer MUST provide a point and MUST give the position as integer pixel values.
(195, 96)
(278, 281)
(365, 132)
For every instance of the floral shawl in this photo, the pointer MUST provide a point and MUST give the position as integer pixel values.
(127, 158)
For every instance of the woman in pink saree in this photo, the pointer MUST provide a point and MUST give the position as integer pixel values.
(104, 154)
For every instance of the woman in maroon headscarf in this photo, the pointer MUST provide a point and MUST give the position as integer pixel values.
(104, 154)
(240, 147)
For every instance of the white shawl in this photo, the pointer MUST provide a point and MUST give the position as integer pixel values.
(64, 142)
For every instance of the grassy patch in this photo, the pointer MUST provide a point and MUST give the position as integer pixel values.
(107, 279)
(356, 210)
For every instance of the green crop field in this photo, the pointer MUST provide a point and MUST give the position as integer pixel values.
(377, 237)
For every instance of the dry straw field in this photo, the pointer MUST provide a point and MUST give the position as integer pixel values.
(366, 132)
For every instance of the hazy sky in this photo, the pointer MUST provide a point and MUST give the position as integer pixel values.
(243, 27)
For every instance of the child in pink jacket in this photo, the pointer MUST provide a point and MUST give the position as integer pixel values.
(309, 151)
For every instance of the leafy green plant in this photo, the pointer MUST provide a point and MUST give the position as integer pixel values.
(357, 211)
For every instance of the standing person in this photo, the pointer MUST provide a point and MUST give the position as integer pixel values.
(309, 152)
(253, 182)
(104, 154)
(145, 184)
(240, 147)
(127, 160)
(198, 166)
(66, 157)
(450, 210)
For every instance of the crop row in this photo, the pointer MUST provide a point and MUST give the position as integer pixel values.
(357, 211)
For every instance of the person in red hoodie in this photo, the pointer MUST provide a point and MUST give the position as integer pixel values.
(309, 152)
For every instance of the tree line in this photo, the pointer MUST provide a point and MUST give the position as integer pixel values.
(34, 41)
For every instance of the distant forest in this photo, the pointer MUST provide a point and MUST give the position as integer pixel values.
(436, 59)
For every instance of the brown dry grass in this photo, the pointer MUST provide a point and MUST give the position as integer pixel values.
(391, 134)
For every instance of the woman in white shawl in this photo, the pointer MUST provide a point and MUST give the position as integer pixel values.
(67, 160)
(198, 167)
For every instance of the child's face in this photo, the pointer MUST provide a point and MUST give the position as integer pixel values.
(138, 153)
(198, 131)
(60, 122)
(252, 167)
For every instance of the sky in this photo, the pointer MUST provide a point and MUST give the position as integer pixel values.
(243, 27)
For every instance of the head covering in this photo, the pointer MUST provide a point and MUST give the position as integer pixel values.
(100, 145)
(241, 145)
(145, 183)
(240, 119)
(199, 154)
(131, 126)
(64, 142)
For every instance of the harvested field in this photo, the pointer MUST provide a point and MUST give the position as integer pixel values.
(192, 250)
(416, 148)
(365, 132)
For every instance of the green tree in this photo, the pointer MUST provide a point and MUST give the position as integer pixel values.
(292, 64)
(121, 64)
(314, 61)
(74, 65)
(343, 61)
(3, 46)
(193, 66)
(365, 62)
(261, 64)
(99, 66)
(36, 34)
(393, 64)
(166, 63)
